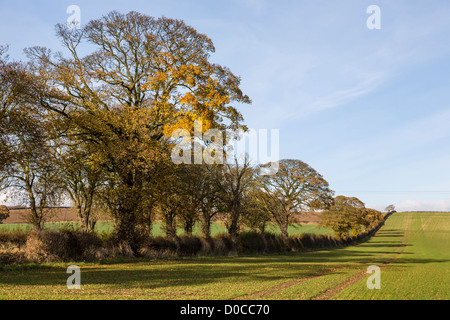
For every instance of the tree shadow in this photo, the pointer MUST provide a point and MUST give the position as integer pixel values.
(201, 271)
(151, 274)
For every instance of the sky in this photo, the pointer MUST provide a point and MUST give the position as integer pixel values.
(369, 109)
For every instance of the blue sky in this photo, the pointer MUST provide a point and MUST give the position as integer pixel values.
(368, 109)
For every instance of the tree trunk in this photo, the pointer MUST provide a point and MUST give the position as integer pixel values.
(188, 227)
(284, 231)
(233, 229)
(36, 218)
(81, 217)
(263, 227)
(126, 225)
(88, 223)
(170, 225)
(284, 222)
(149, 222)
(128, 205)
(206, 228)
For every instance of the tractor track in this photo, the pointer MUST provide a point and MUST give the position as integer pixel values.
(330, 292)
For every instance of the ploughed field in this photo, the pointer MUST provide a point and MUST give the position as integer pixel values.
(411, 250)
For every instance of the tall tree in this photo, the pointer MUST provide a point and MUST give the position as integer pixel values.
(27, 135)
(295, 188)
(372, 217)
(255, 213)
(81, 178)
(347, 215)
(233, 181)
(5, 96)
(171, 201)
(201, 196)
(145, 78)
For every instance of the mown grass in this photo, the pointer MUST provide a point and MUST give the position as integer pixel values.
(419, 272)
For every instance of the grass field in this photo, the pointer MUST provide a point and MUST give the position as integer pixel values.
(412, 250)
(217, 228)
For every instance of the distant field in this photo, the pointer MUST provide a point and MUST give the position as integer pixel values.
(64, 214)
(67, 218)
(217, 228)
(412, 250)
(101, 226)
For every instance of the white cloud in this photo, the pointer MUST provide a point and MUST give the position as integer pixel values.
(345, 95)
(415, 205)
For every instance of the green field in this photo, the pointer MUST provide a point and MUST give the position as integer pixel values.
(157, 230)
(412, 250)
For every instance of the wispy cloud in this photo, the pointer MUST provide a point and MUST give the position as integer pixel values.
(355, 66)
(342, 96)
(396, 156)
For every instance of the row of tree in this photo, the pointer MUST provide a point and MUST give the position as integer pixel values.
(96, 129)
(349, 216)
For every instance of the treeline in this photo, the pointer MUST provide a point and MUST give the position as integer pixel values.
(70, 245)
(97, 130)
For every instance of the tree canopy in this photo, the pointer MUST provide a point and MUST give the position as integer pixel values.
(295, 188)
(348, 215)
(94, 124)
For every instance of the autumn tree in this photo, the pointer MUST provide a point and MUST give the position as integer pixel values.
(80, 177)
(233, 180)
(372, 217)
(295, 188)
(155, 185)
(145, 78)
(170, 204)
(347, 215)
(201, 196)
(5, 95)
(255, 214)
(207, 194)
(11, 89)
(4, 213)
(26, 134)
(31, 172)
(190, 211)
